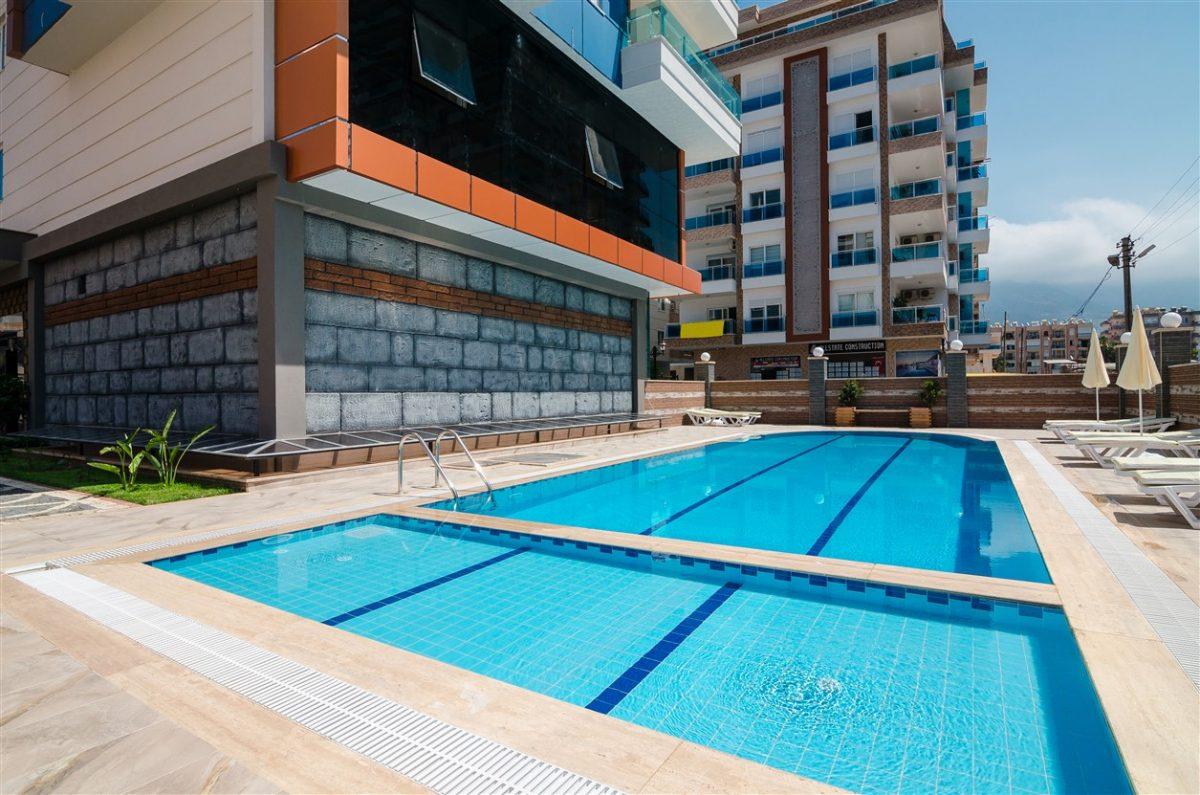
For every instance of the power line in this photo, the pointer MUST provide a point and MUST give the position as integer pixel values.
(1183, 213)
(1180, 238)
(1164, 196)
(1108, 272)
(1187, 193)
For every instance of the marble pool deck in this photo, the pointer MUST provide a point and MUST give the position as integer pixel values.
(59, 666)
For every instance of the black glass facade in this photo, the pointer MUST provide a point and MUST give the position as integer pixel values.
(525, 130)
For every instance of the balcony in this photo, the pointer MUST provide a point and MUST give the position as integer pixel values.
(915, 66)
(975, 281)
(907, 315)
(654, 21)
(710, 167)
(719, 218)
(848, 259)
(763, 325)
(752, 159)
(966, 173)
(863, 135)
(763, 212)
(863, 317)
(703, 329)
(967, 122)
(803, 24)
(912, 190)
(973, 327)
(921, 126)
(921, 261)
(973, 276)
(855, 78)
(917, 252)
(589, 31)
(973, 229)
(762, 101)
(714, 273)
(852, 198)
(758, 270)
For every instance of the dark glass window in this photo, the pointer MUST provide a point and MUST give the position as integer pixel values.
(524, 123)
(442, 58)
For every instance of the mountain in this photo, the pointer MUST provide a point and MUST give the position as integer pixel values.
(1032, 301)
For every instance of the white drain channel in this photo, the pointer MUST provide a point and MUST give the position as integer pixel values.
(426, 750)
(1172, 614)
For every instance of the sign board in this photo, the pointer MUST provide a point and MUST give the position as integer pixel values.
(850, 346)
(773, 362)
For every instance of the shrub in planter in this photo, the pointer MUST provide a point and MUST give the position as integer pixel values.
(850, 393)
(931, 392)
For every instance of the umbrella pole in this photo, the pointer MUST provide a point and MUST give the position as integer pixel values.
(1097, 405)
(1141, 420)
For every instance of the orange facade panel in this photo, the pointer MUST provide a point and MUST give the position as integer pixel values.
(652, 265)
(691, 280)
(629, 256)
(312, 87)
(300, 24)
(673, 272)
(603, 246)
(382, 159)
(535, 219)
(493, 202)
(443, 183)
(572, 233)
(318, 150)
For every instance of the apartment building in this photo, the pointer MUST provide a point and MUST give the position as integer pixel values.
(1114, 325)
(301, 216)
(1046, 346)
(851, 221)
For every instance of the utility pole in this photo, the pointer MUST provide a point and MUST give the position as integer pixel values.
(1004, 346)
(1124, 261)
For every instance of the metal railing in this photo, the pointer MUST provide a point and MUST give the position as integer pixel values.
(436, 447)
(912, 190)
(930, 313)
(915, 66)
(718, 218)
(762, 325)
(655, 21)
(863, 135)
(763, 212)
(852, 198)
(437, 465)
(855, 78)
(862, 317)
(917, 251)
(755, 270)
(907, 129)
(859, 256)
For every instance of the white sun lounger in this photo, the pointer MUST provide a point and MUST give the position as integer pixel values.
(1180, 490)
(718, 417)
(1067, 429)
(1104, 447)
(1128, 465)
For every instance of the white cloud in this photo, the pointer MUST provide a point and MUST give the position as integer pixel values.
(1073, 247)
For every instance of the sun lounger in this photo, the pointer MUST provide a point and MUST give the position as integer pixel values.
(1180, 490)
(1145, 463)
(1103, 447)
(1064, 429)
(718, 417)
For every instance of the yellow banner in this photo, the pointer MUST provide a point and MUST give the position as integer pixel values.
(705, 328)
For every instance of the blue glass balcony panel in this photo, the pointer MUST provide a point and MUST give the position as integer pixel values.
(973, 276)
(916, 65)
(845, 259)
(715, 273)
(762, 101)
(916, 252)
(865, 317)
(911, 190)
(709, 167)
(763, 157)
(917, 314)
(852, 198)
(915, 127)
(762, 212)
(855, 78)
(760, 325)
(972, 222)
(709, 219)
(590, 32)
(972, 172)
(754, 270)
(655, 21)
(863, 135)
(974, 120)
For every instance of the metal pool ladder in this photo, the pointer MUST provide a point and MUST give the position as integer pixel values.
(433, 452)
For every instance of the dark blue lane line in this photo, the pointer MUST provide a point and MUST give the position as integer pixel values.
(416, 589)
(660, 524)
(827, 533)
(632, 677)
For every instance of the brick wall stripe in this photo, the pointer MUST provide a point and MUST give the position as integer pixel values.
(227, 278)
(349, 280)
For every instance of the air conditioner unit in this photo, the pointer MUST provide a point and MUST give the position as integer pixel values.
(926, 293)
(908, 240)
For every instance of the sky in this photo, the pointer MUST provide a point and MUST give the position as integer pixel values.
(1093, 112)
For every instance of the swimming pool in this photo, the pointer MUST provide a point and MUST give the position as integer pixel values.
(922, 500)
(869, 687)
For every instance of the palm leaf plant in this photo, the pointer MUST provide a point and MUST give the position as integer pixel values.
(128, 460)
(166, 457)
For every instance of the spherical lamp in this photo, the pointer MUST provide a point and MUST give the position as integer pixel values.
(818, 351)
(1171, 320)
(1126, 337)
(704, 357)
(956, 345)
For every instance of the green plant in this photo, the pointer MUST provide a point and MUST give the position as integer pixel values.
(165, 457)
(850, 393)
(14, 402)
(931, 392)
(128, 459)
(999, 365)
(899, 301)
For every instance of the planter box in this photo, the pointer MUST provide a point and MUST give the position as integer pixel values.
(920, 418)
(844, 416)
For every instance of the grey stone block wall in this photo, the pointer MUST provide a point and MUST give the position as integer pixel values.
(373, 363)
(130, 369)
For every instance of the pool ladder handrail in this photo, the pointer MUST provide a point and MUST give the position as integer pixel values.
(437, 465)
(437, 454)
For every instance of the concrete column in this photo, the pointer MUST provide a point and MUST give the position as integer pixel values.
(956, 388)
(35, 345)
(639, 323)
(1170, 346)
(817, 369)
(281, 403)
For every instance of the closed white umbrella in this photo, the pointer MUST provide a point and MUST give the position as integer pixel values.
(1095, 374)
(1138, 371)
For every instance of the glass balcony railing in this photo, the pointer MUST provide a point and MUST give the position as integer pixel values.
(863, 317)
(723, 164)
(755, 270)
(675, 331)
(974, 120)
(762, 157)
(863, 135)
(589, 31)
(972, 222)
(760, 325)
(916, 252)
(852, 198)
(964, 44)
(718, 218)
(916, 65)
(973, 276)
(715, 273)
(912, 190)
(762, 101)
(860, 256)
(973, 327)
(952, 323)
(981, 64)
(855, 78)
(762, 213)
(655, 21)
(803, 24)
(917, 314)
(971, 172)
(907, 129)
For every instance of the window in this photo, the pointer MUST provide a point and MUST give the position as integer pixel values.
(855, 241)
(856, 302)
(761, 198)
(602, 156)
(723, 313)
(763, 310)
(442, 59)
(849, 122)
(722, 207)
(764, 139)
(843, 64)
(853, 180)
(771, 253)
(758, 86)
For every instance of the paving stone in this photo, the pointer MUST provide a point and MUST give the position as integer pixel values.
(212, 252)
(620, 308)
(583, 361)
(149, 269)
(432, 408)
(576, 381)
(597, 382)
(179, 349)
(363, 346)
(98, 328)
(534, 382)
(249, 306)
(534, 356)
(573, 298)
(177, 379)
(247, 210)
(131, 354)
(127, 248)
(606, 402)
(199, 411)
(215, 221)
(188, 314)
(595, 303)
(549, 292)
(370, 410)
(204, 378)
(156, 352)
(122, 325)
(163, 319)
(184, 230)
(464, 380)
(120, 381)
(181, 260)
(501, 381)
(120, 276)
(135, 410)
(402, 349)
(145, 322)
(551, 335)
(622, 401)
(227, 378)
(435, 379)
(587, 402)
(441, 266)
(526, 333)
(589, 341)
(556, 359)
(241, 245)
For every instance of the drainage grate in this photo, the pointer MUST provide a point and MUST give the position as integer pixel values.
(1172, 614)
(426, 750)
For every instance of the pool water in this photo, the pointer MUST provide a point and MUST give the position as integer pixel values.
(922, 500)
(867, 687)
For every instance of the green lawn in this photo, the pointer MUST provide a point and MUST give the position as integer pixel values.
(61, 474)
